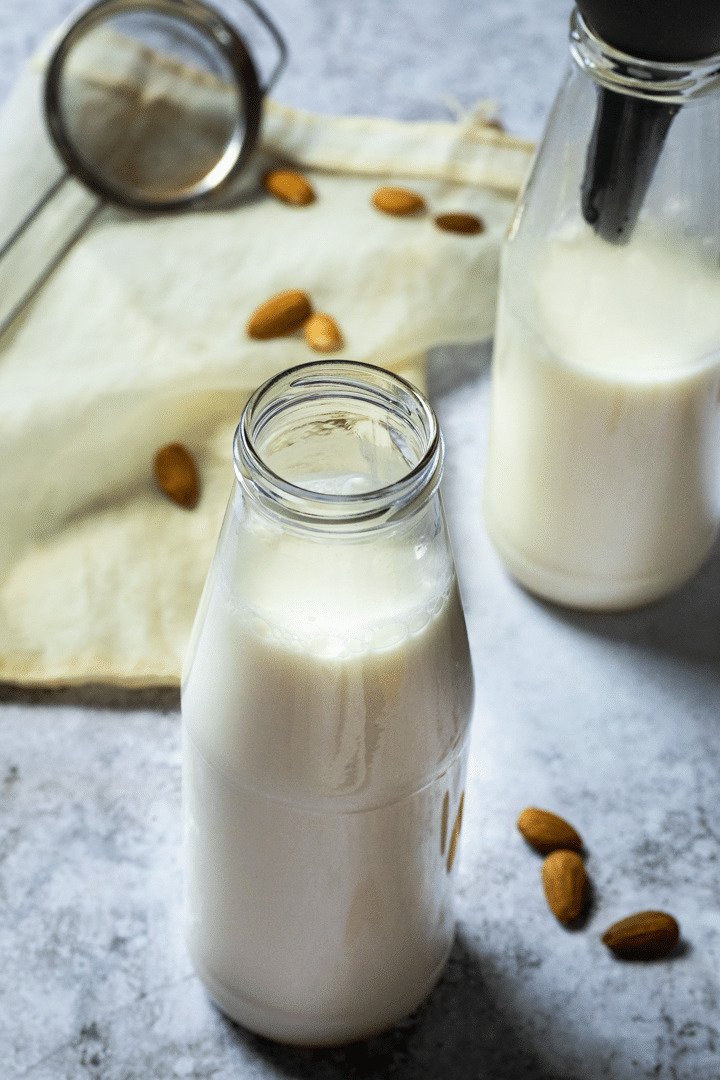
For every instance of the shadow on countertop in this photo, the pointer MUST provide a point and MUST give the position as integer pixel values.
(452, 368)
(684, 625)
(162, 699)
(461, 1032)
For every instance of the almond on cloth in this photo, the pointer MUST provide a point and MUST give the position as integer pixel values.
(647, 935)
(289, 186)
(397, 200)
(281, 314)
(322, 333)
(467, 224)
(176, 474)
(566, 884)
(547, 832)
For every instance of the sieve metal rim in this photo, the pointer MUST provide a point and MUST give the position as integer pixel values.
(234, 50)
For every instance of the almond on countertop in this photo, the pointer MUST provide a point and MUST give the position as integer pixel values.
(322, 333)
(547, 832)
(566, 884)
(647, 935)
(398, 201)
(467, 224)
(281, 314)
(289, 186)
(176, 474)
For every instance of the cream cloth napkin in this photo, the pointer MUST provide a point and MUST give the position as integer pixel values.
(138, 339)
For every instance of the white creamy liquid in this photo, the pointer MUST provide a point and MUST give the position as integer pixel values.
(601, 486)
(325, 716)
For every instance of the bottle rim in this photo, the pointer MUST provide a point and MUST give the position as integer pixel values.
(676, 82)
(320, 381)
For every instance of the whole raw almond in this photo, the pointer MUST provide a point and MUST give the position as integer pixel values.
(547, 832)
(289, 186)
(281, 314)
(176, 474)
(566, 884)
(397, 200)
(647, 935)
(322, 333)
(468, 224)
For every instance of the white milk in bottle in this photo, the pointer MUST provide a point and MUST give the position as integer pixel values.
(601, 486)
(326, 703)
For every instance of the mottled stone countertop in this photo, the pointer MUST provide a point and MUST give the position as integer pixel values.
(612, 720)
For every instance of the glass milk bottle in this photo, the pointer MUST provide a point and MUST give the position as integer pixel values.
(326, 702)
(602, 477)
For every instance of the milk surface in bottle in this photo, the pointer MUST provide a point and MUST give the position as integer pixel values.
(325, 703)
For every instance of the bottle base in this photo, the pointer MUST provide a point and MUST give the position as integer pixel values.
(584, 592)
(284, 1026)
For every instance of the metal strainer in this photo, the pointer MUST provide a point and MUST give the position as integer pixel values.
(114, 92)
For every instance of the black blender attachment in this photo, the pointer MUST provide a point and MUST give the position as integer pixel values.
(629, 132)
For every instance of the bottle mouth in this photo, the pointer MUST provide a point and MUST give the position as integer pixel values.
(338, 443)
(653, 80)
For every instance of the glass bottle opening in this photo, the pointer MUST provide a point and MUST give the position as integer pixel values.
(339, 442)
(652, 80)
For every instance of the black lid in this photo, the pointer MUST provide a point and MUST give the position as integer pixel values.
(669, 30)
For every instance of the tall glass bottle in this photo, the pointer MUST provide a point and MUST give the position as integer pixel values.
(326, 702)
(602, 478)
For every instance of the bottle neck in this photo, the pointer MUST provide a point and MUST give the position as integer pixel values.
(338, 446)
(670, 83)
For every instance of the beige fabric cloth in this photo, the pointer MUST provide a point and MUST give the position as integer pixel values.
(138, 339)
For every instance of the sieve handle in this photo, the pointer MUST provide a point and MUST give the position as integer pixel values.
(34, 213)
(50, 265)
(277, 38)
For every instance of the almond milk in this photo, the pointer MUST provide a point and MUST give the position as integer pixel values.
(325, 716)
(602, 477)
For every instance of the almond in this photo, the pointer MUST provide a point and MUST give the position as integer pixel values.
(322, 333)
(398, 201)
(566, 884)
(176, 474)
(547, 832)
(467, 224)
(648, 935)
(281, 314)
(289, 186)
